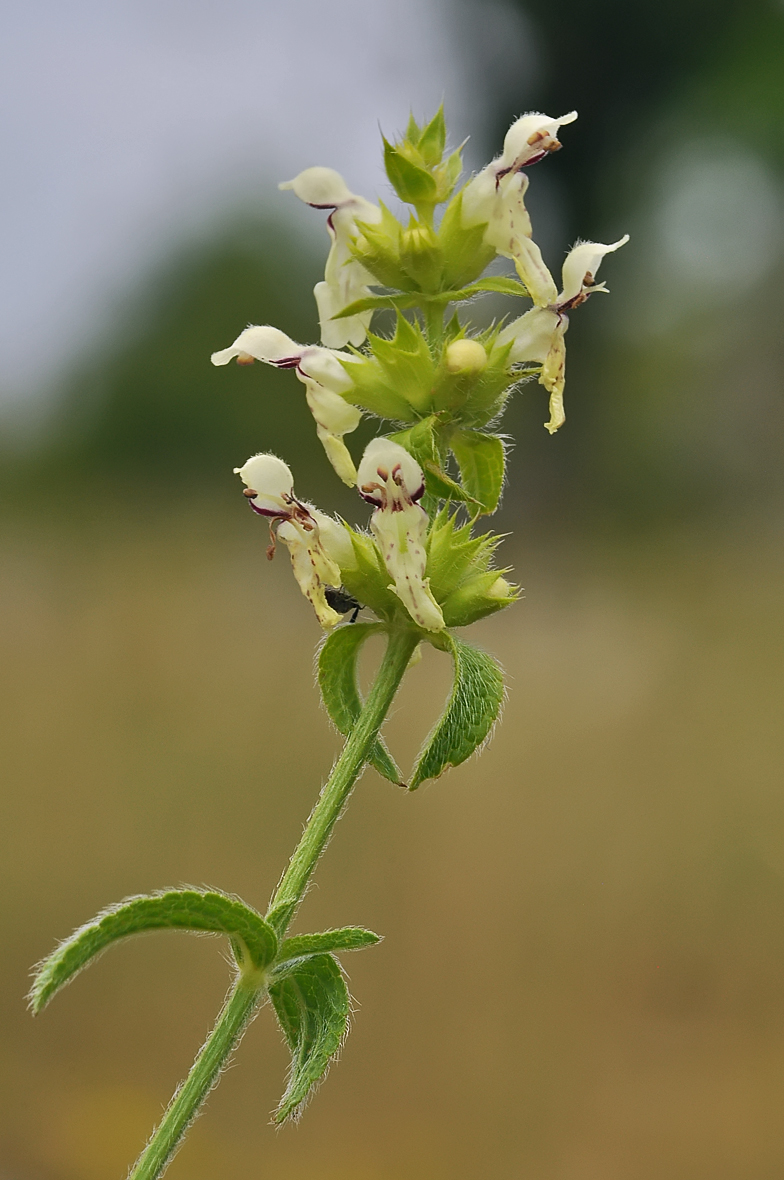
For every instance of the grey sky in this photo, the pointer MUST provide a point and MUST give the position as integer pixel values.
(129, 123)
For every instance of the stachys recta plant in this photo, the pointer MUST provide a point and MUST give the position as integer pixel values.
(420, 569)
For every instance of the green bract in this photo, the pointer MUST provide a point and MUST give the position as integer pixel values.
(416, 168)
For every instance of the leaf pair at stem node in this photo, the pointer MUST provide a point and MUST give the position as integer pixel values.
(301, 974)
(470, 712)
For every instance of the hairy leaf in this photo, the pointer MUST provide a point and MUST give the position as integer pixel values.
(497, 283)
(312, 1004)
(420, 441)
(349, 938)
(379, 302)
(481, 460)
(502, 284)
(337, 677)
(178, 909)
(472, 708)
(441, 485)
(280, 915)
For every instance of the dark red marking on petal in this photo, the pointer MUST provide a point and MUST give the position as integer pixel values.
(276, 514)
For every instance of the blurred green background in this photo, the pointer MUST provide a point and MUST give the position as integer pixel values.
(583, 969)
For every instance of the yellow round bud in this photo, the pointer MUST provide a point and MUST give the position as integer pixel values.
(417, 239)
(500, 589)
(465, 356)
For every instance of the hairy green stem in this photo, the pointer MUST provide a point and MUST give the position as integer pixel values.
(339, 785)
(243, 1000)
(235, 1016)
(434, 325)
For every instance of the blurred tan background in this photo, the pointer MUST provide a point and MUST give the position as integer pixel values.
(583, 965)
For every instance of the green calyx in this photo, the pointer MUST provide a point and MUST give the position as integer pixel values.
(393, 382)
(462, 577)
(367, 578)
(466, 383)
(416, 166)
(464, 250)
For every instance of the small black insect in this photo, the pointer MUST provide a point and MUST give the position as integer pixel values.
(343, 602)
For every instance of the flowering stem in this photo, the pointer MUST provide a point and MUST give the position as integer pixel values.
(243, 1000)
(434, 325)
(236, 1014)
(337, 789)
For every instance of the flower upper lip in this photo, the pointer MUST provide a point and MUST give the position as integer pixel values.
(345, 279)
(325, 380)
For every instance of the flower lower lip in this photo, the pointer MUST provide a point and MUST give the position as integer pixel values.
(268, 511)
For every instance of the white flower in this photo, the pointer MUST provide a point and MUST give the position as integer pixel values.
(496, 194)
(392, 480)
(324, 378)
(336, 539)
(345, 279)
(270, 492)
(539, 334)
(530, 139)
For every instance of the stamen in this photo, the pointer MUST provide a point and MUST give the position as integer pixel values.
(249, 492)
(244, 358)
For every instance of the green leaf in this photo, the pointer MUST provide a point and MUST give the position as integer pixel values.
(501, 284)
(432, 139)
(337, 677)
(439, 484)
(178, 909)
(472, 709)
(481, 460)
(380, 302)
(349, 938)
(420, 441)
(497, 283)
(312, 1004)
(412, 184)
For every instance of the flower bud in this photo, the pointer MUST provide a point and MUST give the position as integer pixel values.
(479, 596)
(465, 356)
(420, 255)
